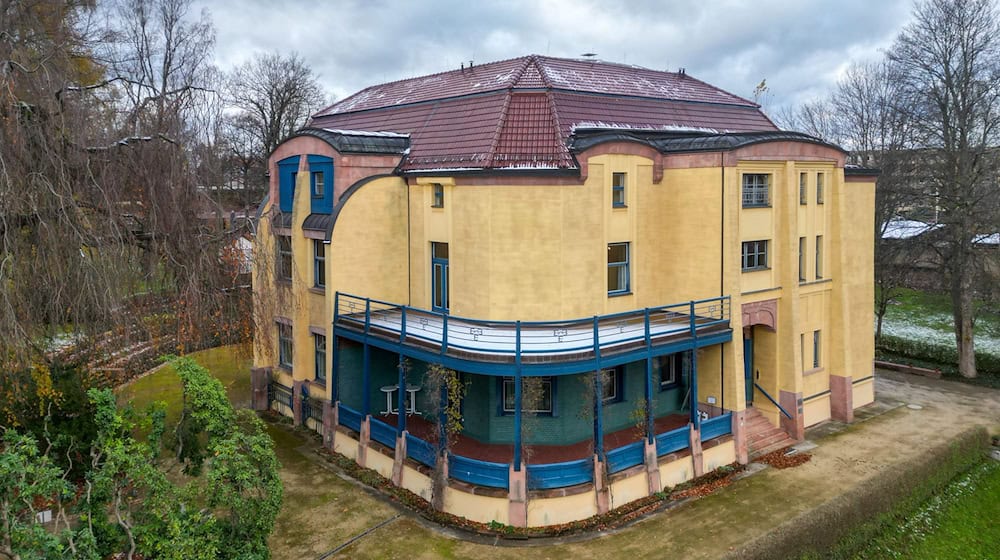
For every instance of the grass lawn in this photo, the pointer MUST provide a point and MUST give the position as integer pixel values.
(959, 522)
(229, 364)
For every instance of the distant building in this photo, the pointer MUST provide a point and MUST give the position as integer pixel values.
(674, 275)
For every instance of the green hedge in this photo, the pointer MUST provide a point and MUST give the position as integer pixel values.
(936, 355)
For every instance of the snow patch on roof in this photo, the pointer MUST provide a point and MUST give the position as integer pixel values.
(382, 134)
(640, 127)
(987, 239)
(906, 229)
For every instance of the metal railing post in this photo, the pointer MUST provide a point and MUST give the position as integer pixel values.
(444, 333)
(518, 393)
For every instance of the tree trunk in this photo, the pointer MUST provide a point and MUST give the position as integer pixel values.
(962, 310)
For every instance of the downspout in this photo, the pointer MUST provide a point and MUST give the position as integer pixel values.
(722, 269)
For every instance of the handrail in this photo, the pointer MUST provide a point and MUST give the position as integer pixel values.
(774, 402)
(537, 337)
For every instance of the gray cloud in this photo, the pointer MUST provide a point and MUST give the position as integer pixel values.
(800, 47)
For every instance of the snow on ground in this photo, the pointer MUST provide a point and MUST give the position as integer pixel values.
(935, 328)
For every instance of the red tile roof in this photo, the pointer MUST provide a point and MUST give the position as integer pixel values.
(520, 113)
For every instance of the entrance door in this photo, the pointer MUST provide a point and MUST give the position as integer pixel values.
(748, 365)
(439, 277)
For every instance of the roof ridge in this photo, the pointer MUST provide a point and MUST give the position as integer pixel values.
(501, 123)
(554, 115)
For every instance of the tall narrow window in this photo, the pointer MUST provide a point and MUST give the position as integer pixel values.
(802, 259)
(756, 190)
(439, 276)
(438, 196)
(803, 191)
(819, 257)
(285, 345)
(319, 343)
(319, 263)
(618, 274)
(540, 401)
(613, 385)
(754, 255)
(668, 369)
(802, 349)
(819, 188)
(816, 349)
(618, 190)
(318, 187)
(283, 261)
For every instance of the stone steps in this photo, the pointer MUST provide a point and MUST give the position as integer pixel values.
(762, 436)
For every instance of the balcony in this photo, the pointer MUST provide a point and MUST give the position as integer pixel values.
(571, 346)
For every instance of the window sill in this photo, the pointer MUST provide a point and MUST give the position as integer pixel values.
(284, 282)
(319, 290)
(813, 371)
(619, 294)
(756, 269)
(284, 368)
(619, 206)
(318, 384)
(524, 412)
(670, 386)
(756, 206)
(437, 206)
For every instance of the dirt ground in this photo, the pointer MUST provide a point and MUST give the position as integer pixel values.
(323, 511)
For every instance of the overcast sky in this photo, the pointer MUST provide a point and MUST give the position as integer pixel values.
(799, 46)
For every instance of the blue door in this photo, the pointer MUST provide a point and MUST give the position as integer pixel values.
(439, 277)
(748, 365)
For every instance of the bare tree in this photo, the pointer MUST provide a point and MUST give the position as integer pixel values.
(275, 95)
(948, 65)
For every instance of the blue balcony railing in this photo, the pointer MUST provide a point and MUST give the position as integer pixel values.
(625, 457)
(716, 427)
(448, 332)
(349, 417)
(420, 451)
(480, 473)
(672, 441)
(383, 433)
(560, 475)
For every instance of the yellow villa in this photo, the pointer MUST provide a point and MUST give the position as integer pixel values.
(637, 277)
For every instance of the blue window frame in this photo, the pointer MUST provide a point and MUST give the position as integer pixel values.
(287, 172)
(319, 344)
(319, 264)
(670, 369)
(283, 264)
(439, 276)
(285, 347)
(318, 187)
(756, 187)
(618, 181)
(754, 255)
(618, 268)
(438, 201)
(613, 385)
(545, 399)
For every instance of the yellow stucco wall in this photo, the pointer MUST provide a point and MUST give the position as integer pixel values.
(477, 508)
(629, 489)
(676, 472)
(417, 482)
(718, 456)
(564, 509)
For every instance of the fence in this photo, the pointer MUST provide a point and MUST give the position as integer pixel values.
(625, 457)
(559, 475)
(349, 417)
(383, 433)
(671, 441)
(480, 473)
(718, 426)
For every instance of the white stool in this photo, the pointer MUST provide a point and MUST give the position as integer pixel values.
(389, 390)
(411, 391)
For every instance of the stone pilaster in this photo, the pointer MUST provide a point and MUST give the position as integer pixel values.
(794, 426)
(603, 493)
(329, 423)
(652, 467)
(518, 497)
(694, 441)
(259, 379)
(740, 437)
(297, 419)
(842, 398)
(363, 439)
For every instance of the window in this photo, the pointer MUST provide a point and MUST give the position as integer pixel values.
(284, 257)
(802, 259)
(318, 186)
(319, 264)
(543, 398)
(668, 369)
(613, 385)
(803, 191)
(819, 188)
(816, 349)
(438, 196)
(618, 277)
(754, 255)
(819, 257)
(618, 190)
(755, 190)
(285, 345)
(319, 345)
(439, 276)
